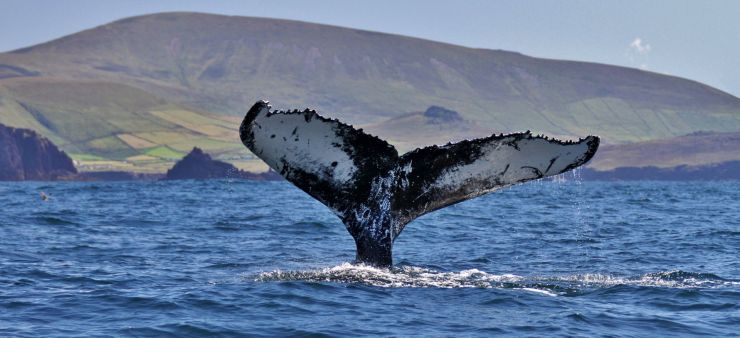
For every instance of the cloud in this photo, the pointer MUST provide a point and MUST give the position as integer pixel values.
(637, 53)
(639, 46)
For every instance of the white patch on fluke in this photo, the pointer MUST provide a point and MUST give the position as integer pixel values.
(533, 157)
(312, 147)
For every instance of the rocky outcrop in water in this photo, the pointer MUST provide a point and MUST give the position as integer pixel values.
(25, 155)
(199, 165)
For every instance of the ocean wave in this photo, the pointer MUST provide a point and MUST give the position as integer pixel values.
(54, 220)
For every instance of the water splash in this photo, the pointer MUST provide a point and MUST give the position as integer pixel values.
(401, 276)
(582, 215)
(669, 279)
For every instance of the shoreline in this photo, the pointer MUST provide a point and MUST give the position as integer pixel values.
(729, 171)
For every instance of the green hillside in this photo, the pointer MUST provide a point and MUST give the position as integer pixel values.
(146, 89)
(106, 126)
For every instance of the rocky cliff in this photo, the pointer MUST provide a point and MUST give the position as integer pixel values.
(199, 165)
(25, 155)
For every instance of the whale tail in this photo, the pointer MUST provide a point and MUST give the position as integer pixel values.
(376, 192)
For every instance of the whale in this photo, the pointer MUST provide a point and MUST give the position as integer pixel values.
(375, 191)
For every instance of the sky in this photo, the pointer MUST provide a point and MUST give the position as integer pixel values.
(699, 40)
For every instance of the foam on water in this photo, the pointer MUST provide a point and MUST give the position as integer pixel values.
(403, 276)
(419, 277)
(669, 279)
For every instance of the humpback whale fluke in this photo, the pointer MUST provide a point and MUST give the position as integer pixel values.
(376, 192)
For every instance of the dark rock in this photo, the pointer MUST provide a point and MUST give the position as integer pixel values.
(25, 155)
(438, 114)
(199, 165)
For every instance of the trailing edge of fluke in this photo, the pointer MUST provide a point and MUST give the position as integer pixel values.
(376, 192)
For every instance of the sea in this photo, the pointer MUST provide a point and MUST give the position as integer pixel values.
(232, 258)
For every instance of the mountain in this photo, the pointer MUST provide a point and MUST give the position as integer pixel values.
(138, 93)
(24, 155)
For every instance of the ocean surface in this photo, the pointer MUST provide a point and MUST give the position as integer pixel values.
(244, 258)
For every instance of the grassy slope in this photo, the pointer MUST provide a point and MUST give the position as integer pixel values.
(172, 80)
(110, 126)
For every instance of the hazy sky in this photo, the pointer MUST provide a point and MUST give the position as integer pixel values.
(699, 39)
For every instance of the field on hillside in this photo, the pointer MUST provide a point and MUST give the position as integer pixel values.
(106, 126)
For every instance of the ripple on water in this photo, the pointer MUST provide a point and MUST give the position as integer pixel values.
(54, 220)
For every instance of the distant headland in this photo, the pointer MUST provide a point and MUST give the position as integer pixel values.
(25, 155)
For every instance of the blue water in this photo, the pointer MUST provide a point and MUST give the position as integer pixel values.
(233, 258)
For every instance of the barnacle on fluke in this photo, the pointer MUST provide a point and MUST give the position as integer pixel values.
(376, 192)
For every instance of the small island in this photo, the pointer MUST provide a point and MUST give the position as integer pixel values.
(199, 165)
